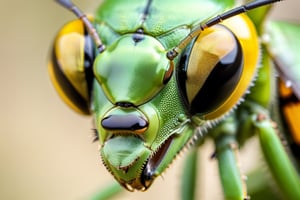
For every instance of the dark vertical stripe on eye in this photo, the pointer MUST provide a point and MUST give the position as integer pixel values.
(181, 74)
(89, 57)
(67, 87)
(220, 83)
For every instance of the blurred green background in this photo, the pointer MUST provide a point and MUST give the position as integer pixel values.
(46, 151)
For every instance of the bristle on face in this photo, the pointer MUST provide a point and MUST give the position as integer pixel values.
(95, 136)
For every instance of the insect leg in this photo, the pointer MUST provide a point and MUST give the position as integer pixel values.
(189, 176)
(278, 161)
(232, 180)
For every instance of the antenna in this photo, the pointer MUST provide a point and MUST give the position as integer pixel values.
(215, 20)
(91, 29)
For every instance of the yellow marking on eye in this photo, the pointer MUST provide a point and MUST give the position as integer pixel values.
(69, 49)
(245, 32)
(70, 54)
(211, 46)
(60, 91)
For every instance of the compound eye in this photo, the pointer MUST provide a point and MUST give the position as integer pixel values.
(71, 66)
(210, 69)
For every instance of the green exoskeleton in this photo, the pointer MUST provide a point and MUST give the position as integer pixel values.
(160, 76)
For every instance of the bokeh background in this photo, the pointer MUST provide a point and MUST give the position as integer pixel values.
(46, 151)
